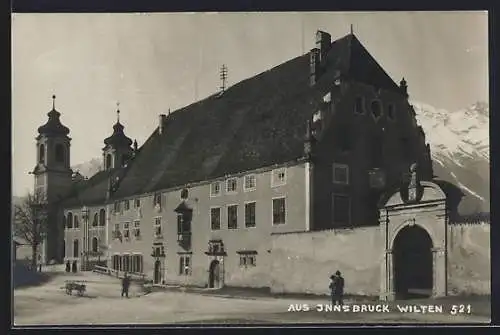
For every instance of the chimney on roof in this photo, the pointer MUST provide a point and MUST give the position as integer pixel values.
(323, 43)
(314, 66)
(161, 123)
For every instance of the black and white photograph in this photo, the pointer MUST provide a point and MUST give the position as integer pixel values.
(250, 168)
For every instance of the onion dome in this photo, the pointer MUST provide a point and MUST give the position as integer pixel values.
(53, 126)
(118, 138)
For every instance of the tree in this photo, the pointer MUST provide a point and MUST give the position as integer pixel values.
(31, 222)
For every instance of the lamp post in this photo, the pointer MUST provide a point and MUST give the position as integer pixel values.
(85, 216)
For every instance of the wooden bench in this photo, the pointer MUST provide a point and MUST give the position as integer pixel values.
(77, 286)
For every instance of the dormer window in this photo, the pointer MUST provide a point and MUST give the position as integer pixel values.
(250, 183)
(278, 177)
(231, 185)
(215, 189)
(157, 200)
(376, 109)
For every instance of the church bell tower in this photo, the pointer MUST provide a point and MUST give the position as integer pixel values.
(117, 150)
(52, 174)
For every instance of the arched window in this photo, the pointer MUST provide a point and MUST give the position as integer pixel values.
(95, 244)
(69, 220)
(102, 217)
(59, 153)
(76, 224)
(41, 153)
(75, 248)
(108, 161)
(95, 221)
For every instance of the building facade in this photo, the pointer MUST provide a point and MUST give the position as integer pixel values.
(308, 147)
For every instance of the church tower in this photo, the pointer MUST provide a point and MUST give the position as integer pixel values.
(117, 150)
(52, 174)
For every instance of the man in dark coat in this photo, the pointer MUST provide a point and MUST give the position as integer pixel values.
(337, 288)
(125, 285)
(68, 266)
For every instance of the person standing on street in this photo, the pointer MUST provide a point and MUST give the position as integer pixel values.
(125, 285)
(337, 288)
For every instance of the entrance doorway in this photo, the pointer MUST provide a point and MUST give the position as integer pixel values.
(157, 273)
(214, 275)
(413, 268)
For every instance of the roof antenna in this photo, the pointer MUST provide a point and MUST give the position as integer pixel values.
(352, 33)
(53, 102)
(223, 78)
(118, 112)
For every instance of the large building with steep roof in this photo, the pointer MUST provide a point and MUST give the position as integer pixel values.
(323, 145)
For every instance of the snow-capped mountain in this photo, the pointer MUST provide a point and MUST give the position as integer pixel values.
(460, 147)
(90, 168)
(459, 143)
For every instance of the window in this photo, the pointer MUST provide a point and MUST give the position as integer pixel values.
(215, 247)
(116, 262)
(250, 214)
(102, 217)
(278, 177)
(136, 264)
(117, 207)
(185, 265)
(158, 250)
(41, 153)
(157, 227)
(126, 205)
(126, 230)
(340, 174)
(341, 210)
(137, 229)
(279, 211)
(76, 223)
(137, 203)
(108, 161)
(231, 185)
(247, 260)
(376, 109)
(250, 183)
(391, 112)
(157, 200)
(75, 248)
(69, 220)
(232, 217)
(116, 231)
(126, 263)
(215, 218)
(95, 222)
(95, 244)
(359, 105)
(59, 153)
(215, 189)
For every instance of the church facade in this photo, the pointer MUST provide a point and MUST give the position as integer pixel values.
(241, 188)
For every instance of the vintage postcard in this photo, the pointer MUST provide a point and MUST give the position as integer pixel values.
(250, 168)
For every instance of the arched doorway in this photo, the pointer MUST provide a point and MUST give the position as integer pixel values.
(214, 275)
(413, 263)
(157, 273)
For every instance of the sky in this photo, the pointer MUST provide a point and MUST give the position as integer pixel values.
(154, 62)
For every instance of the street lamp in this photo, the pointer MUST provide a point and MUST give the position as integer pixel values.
(85, 216)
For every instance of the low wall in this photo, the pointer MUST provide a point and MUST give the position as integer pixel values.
(303, 262)
(469, 259)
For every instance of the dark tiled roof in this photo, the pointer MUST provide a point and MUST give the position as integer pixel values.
(53, 125)
(258, 122)
(92, 191)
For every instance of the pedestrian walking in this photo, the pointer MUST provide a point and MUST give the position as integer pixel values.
(337, 288)
(125, 285)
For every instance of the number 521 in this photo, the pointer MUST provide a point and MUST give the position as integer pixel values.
(460, 309)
